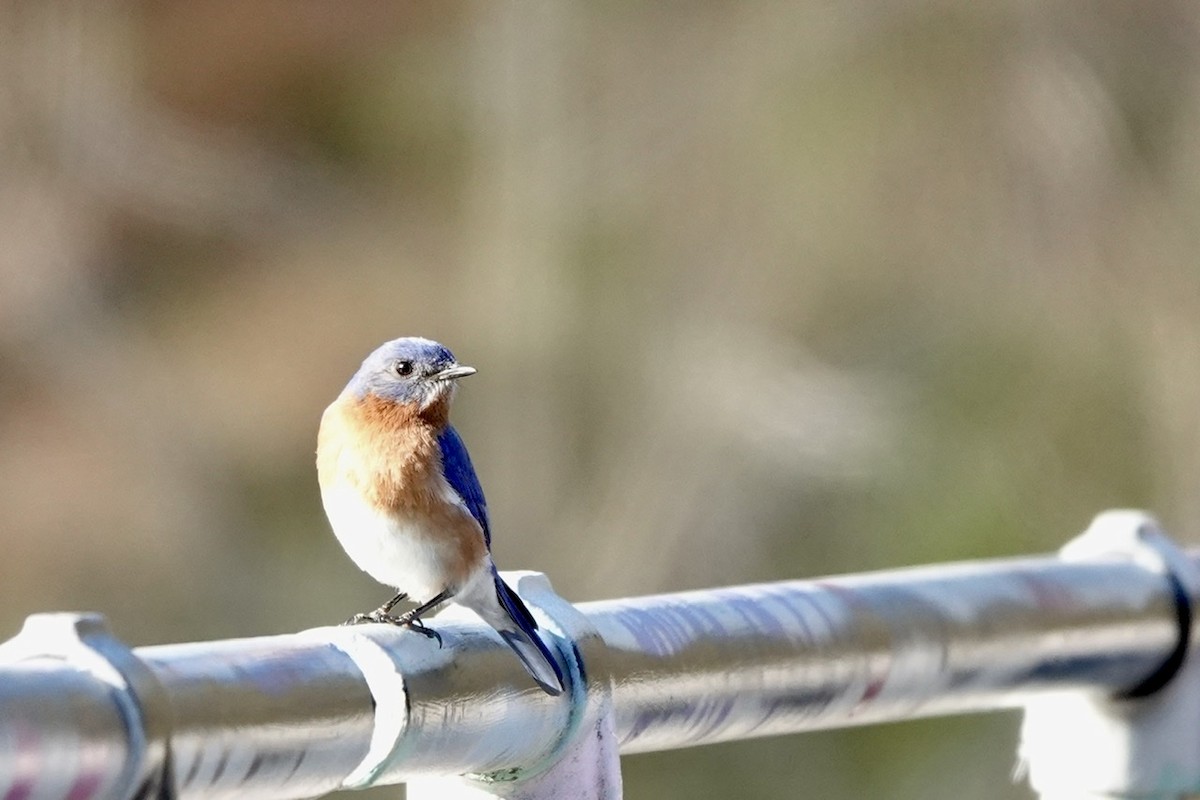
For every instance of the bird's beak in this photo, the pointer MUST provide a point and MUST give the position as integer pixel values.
(452, 372)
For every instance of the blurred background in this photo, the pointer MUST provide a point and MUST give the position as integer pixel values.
(756, 292)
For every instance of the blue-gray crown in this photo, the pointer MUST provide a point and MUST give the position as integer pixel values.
(407, 370)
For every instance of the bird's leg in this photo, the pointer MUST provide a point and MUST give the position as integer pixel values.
(386, 608)
(381, 614)
(412, 619)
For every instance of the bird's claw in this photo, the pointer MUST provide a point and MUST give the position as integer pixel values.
(413, 623)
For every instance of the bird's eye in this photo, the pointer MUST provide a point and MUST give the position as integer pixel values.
(403, 368)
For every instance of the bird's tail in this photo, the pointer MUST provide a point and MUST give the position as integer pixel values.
(519, 630)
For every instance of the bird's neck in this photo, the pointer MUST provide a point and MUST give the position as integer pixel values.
(384, 415)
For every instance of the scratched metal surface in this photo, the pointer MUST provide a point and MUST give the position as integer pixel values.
(284, 714)
(294, 716)
(727, 664)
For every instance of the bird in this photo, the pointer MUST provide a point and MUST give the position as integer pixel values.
(404, 502)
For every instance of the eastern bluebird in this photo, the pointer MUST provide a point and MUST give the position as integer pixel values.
(403, 499)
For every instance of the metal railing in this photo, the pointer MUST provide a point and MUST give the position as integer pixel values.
(82, 716)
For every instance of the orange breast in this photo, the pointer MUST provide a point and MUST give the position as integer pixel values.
(382, 449)
(390, 456)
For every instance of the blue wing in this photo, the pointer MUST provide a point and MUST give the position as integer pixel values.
(460, 474)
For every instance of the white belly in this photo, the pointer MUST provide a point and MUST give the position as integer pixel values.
(403, 553)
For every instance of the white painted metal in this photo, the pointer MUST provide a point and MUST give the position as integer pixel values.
(585, 763)
(1081, 745)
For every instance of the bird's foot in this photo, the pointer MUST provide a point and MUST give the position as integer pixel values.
(413, 623)
(378, 615)
(381, 614)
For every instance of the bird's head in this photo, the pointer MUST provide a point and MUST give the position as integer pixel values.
(409, 371)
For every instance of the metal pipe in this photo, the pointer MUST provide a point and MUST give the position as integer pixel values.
(288, 716)
(61, 733)
(726, 664)
(299, 715)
